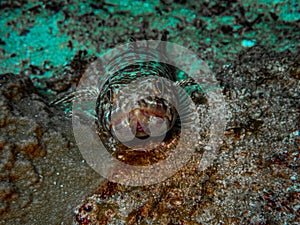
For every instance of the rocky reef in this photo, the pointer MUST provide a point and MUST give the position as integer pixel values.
(251, 46)
(255, 177)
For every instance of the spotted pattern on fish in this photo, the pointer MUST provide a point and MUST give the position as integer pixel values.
(147, 116)
(151, 116)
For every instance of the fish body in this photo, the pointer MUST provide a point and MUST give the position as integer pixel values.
(134, 101)
(133, 118)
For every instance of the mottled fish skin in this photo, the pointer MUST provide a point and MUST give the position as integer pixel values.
(138, 117)
(133, 118)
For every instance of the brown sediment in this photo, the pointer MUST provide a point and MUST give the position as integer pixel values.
(256, 169)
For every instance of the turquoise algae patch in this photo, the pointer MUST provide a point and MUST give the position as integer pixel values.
(248, 43)
(34, 44)
(287, 10)
(217, 38)
(133, 8)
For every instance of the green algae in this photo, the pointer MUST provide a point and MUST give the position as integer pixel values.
(49, 34)
(43, 42)
(248, 43)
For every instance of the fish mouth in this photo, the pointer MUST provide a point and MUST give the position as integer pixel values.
(140, 133)
(142, 144)
(140, 123)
